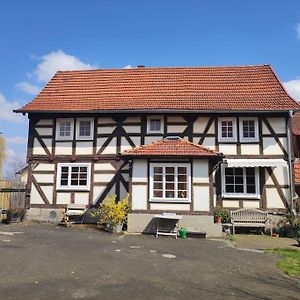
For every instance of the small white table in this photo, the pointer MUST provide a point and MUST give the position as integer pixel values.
(167, 216)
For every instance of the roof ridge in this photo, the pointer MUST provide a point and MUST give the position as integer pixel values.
(163, 67)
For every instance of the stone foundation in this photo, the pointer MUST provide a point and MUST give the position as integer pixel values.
(146, 223)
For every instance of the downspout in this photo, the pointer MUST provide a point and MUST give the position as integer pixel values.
(290, 163)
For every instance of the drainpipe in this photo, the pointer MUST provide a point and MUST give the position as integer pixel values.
(290, 162)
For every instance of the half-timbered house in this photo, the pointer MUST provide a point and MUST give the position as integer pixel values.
(182, 140)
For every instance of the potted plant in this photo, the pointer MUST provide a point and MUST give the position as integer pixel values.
(15, 215)
(221, 215)
(113, 213)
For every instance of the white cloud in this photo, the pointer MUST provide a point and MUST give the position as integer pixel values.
(58, 61)
(293, 88)
(298, 30)
(28, 88)
(19, 140)
(7, 108)
(127, 67)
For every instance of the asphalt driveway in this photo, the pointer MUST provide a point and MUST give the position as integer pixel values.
(49, 262)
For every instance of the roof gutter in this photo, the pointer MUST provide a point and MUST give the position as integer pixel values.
(154, 111)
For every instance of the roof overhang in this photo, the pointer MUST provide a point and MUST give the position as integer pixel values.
(154, 111)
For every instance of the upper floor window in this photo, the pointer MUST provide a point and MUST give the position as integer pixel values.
(240, 182)
(84, 129)
(155, 124)
(64, 129)
(227, 130)
(249, 130)
(73, 176)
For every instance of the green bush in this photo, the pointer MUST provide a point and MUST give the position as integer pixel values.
(290, 224)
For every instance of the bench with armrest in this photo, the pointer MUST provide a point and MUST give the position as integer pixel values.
(74, 210)
(249, 217)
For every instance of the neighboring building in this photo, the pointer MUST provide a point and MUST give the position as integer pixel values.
(23, 174)
(296, 144)
(101, 132)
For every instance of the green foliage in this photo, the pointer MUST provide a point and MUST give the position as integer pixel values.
(15, 214)
(291, 262)
(223, 213)
(291, 223)
(112, 212)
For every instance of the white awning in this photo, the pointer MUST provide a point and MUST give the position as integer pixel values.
(255, 162)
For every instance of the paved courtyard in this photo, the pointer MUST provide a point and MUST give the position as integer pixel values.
(49, 262)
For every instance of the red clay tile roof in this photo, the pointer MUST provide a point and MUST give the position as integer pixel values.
(175, 88)
(296, 123)
(171, 147)
(297, 172)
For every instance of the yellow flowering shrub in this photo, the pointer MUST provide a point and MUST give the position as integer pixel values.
(112, 212)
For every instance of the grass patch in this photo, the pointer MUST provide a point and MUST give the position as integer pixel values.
(290, 264)
(230, 237)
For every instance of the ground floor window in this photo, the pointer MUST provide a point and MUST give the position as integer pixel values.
(169, 182)
(73, 176)
(240, 182)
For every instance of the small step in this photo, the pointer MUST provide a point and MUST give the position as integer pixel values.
(196, 234)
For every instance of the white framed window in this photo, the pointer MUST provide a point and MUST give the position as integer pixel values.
(73, 176)
(227, 130)
(155, 124)
(170, 182)
(84, 129)
(248, 129)
(240, 182)
(64, 129)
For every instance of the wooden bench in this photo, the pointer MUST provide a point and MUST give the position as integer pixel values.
(249, 217)
(74, 210)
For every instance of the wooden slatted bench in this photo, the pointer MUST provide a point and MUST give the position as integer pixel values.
(249, 217)
(74, 210)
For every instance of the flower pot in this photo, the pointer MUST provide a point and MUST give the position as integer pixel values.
(218, 220)
(114, 228)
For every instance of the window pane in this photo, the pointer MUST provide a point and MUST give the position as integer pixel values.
(84, 128)
(182, 186)
(157, 194)
(251, 189)
(170, 170)
(170, 185)
(158, 177)
(182, 178)
(182, 170)
(170, 177)
(155, 125)
(239, 188)
(229, 188)
(182, 194)
(158, 185)
(170, 194)
(64, 182)
(65, 128)
(82, 182)
(64, 169)
(158, 170)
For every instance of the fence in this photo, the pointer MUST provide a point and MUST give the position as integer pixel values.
(12, 194)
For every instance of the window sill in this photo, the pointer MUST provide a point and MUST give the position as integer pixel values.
(187, 201)
(72, 189)
(239, 196)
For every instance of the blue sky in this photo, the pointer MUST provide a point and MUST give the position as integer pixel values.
(40, 37)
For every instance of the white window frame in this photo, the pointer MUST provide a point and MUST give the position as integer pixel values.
(57, 133)
(72, 187)
(164, 199)
(234, 130)
(241, 195)
(249, 139)
(90, 137)
(149, 118)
